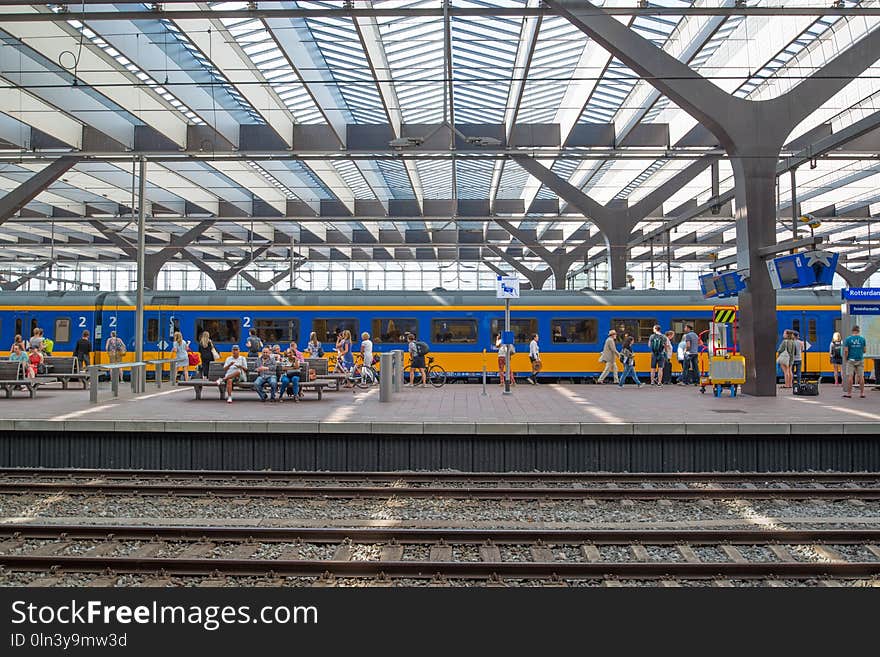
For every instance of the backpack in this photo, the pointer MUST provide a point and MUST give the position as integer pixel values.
(255, 345)
(422, 348)
(836, 351)
(657, 344)
(48, 345)
(682, 351)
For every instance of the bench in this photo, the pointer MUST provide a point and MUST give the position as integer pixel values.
(321, 367)
(216, 371)
(66, 369)
(12, 377)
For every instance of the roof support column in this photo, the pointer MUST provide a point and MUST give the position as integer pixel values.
(536, 278)
(141, 256)
(752, 133)
(858, 278)
(222, 278)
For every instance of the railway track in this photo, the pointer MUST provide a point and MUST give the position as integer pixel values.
(826, 486)
(440, 553)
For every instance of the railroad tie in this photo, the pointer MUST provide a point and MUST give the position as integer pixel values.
(688, 554)
(391, 552)
(200, 550)
(243, 551)
(828, 553)
(640, 553)
(782, 553)
(440, 553)
(490, 553)
(146, 551)
(591, 553)
(873, 549)
(49, 549)
(102, 550)
(342, 552)
(541, 554)
(733, 554)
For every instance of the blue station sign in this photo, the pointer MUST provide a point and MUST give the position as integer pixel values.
(860, 293)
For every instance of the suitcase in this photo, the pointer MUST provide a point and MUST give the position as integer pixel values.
(806, 388)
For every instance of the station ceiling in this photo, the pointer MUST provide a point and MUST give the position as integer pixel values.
(380, 130)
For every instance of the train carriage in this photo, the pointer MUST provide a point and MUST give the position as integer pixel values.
(460, 327)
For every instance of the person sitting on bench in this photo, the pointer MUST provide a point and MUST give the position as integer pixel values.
(266, 373)
(292, 363)
(236, 368)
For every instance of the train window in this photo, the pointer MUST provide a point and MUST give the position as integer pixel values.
(221, 330)
(277, 330)
(700, 325)
(811, 328)
(523, 329)
(62, 329)
(329, 329)
(639, 329)
(574, 330)
(152, 330)
(457, 331)
(392, 330)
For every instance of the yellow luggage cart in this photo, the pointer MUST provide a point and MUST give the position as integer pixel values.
(727, 368)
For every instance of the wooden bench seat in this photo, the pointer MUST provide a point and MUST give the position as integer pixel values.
(12, 377)
(216, 371)
(65, 370)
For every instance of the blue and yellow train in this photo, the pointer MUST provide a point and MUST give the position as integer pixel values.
(460, 327)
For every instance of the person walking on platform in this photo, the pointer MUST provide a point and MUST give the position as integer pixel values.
(657, 343)
(854, 355)
(181, 358)
(628, 359)
(785, 359)
(417, 360)
(235, 370)
(835, 354)
(667, 364)
(535, 358)
(692, 346)
(115, 348)
(609, 356)
(207, 352)
(366, 350)
(83, 351)
(505, 351)
(800, 346)
(254, 344)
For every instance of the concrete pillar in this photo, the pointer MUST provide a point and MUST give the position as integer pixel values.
(756, 227)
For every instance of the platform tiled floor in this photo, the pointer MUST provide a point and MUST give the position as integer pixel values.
(457, 409)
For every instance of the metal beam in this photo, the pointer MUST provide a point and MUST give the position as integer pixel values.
(16, 199)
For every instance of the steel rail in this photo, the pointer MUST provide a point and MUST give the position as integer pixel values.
(474, 477)
(494, 492)
(405, 535)
(434, 569)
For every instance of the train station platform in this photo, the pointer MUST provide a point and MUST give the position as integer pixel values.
(543, 427)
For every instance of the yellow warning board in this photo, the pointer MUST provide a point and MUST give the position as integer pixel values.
(725, 315)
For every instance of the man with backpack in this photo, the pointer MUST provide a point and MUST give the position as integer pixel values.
(417, 352)
(254, 344)
(657, 344)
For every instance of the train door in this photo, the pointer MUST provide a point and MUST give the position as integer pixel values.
(25, 321)
(807, 326)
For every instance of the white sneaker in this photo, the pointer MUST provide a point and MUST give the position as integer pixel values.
(219, 382)
(229, 399)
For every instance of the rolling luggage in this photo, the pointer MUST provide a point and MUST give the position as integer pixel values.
(801, 387)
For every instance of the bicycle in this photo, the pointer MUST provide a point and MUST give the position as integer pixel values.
(436, 373)
(362, 376)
